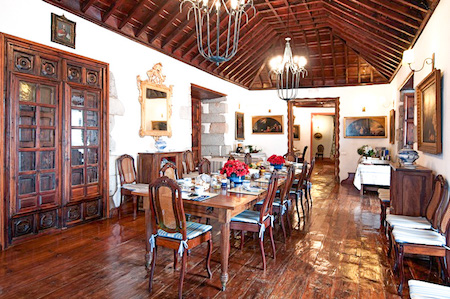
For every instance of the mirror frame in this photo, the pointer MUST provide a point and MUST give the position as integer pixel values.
(155, 81)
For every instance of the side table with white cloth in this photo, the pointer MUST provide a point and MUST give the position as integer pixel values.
(375, 174)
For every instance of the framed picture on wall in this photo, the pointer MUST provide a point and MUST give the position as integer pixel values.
(429, 123)
(272, 124)
(365, 127)
(239, 124)
(392, 126)
(63, 31)
(296, 132)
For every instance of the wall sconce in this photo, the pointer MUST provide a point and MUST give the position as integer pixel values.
(408, 59)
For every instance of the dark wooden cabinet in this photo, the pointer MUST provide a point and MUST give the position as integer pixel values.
(56, 145)
(410, 190)
(149, 164)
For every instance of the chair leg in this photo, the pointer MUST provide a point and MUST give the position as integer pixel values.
(401, 270)
(296, 207)
(389, 242)
(183, 271)
(175, 259)
(119, 207)
(301, 203)
(309, 192)
(271, 240)
(208, 258)
(288, 220)
(152, 270)
(134, 207)
(242, 240)
(282, 226)
(261, 245)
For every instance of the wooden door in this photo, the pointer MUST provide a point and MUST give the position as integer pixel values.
(196, 129)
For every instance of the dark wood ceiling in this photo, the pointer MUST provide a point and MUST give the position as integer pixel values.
(346, 42)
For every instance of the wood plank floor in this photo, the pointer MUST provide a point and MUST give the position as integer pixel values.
(338, 252)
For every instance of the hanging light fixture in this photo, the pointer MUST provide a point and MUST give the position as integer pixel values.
(204, 12)
(288, 70)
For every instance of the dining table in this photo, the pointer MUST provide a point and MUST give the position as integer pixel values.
(224, 205)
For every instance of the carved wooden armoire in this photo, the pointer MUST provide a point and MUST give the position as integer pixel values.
(55, 139)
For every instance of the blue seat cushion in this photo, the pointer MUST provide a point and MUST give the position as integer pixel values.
(276, 202)
(422, 289)
(248, 216)
(193, 230)
(417, 236)
(408, 221)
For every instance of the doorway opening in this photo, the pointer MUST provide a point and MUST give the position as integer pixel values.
(300, 115)
(208, 109)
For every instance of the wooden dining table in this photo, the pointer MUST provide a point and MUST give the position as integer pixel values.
(222, 208)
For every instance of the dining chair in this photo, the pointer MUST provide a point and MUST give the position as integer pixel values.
(189, 161)
(204, 166)
(307, 185)
(231, 158)
(259, 221)
(171, 230)
(296, 190)
(289, 156)
(302, 158)
(248, 159)
(128, 182)
(320, 149)
(435, 243)
(169, 170)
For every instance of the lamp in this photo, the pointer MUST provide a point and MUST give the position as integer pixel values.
(408, 59)
(209, 43)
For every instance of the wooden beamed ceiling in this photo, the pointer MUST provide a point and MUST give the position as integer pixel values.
(346, 42)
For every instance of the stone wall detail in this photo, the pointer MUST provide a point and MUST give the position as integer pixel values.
(214, 127)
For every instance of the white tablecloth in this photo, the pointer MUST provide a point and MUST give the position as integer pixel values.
(372, 174)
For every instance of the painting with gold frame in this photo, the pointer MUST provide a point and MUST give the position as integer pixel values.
(365, 127)
(392, 126)
(239, 125)
(296, 132)
(156, 107)
(270, 124)
(429, 121)
(63, 31)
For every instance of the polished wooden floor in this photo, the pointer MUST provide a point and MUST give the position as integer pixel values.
(338, 252)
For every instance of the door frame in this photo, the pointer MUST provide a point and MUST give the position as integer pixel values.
(312, 116)
(317, 103)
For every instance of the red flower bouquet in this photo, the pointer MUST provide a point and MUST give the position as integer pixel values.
(276, 160)
(235, 167)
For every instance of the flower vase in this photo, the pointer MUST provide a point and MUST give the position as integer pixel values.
(237, 180)
(277, 166)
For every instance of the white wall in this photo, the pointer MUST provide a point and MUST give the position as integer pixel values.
(433, 40)
(127, 59)
(323, 124)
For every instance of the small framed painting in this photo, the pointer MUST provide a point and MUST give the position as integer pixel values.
(272, 124)
(429, 123)
(296, 132)
(392, 126)
(239, 124)
(365, 127)
(63, 31)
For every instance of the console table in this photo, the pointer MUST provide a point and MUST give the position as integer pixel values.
(149, 164)
(372, 174)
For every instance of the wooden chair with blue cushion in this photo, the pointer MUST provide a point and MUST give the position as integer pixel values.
(170, 228)
(282, 203)
(259, 221)
(169, 170)
(296, 191)
(422, 242)
(204, 166)
(307, 185)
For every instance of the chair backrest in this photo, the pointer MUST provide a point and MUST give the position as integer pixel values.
(169, 170)
(320, 148)
(248, 158)
(444, 223)
(302, 158)
(189, 160)
(167, 206)
(288, 183)
(127, 171)
(266, 207)
(289, 156)
(231, 158)
(204, 166)
(301, 177)
(437, 200)
(311, 168)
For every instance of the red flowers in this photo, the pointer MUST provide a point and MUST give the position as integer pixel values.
(235, 166)
(276, 160)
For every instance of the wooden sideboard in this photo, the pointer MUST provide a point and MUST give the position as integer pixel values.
(410, 190)
(149, 164)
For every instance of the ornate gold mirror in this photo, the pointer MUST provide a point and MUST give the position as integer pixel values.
(156, 107)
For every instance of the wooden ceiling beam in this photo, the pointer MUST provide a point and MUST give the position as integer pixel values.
(398, 27)
(258, 73)
(86, 4)
(412, 5)
(131, 14)
(391, 38)
(150, 18)
(250, 69)
(110, 11)
(174, 32)
(321, 59)
(333, 55)
(400, 9)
